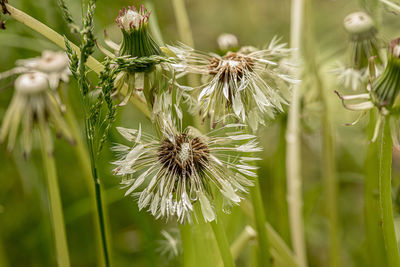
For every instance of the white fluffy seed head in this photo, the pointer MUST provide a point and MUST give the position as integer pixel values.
(31, 83)
(52, 62)
(358, 23)
(227, 41)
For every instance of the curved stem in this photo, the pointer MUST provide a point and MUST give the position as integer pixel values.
(385, 196)
(56, 210)
(223, 245)
(293, 157)
(59, 40)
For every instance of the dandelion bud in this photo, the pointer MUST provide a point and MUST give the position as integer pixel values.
(387, 86)
(227, 41)
(137, 41)
(362, 31)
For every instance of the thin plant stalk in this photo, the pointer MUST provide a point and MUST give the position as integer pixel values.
(183, 23)
(223, 244)
(241, 242)
(293, 149)
(59, 40)
(328, 151)
(82, 154)
(56, 210)
(391, 5)
(154, 26)
(278, 247)
(385, 195)
(260, 220)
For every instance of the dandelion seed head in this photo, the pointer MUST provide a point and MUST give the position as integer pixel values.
(227, 41)
(181, 168)
(31, 83)
(358, 23)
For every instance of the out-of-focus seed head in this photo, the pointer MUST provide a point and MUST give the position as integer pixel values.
(359, 24)
(52, 62)
(31, 83)
(227, 42)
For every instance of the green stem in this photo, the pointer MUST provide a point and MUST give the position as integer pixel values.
(223, 244)
(189, 257)
(278, 248)
(56, 210)
(183, 23)
(83, 156)
(293, 149)
(391, 5)
(385, 195)
(153, 23)
(242, 240)
(59, 40)
(376, 247)
(260, 220)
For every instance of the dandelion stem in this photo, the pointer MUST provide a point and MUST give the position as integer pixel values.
(293, 157)
(242, 240)
(223, 245)
(189, 257)
(59, 40)
(56, 210)
(385, 196)
(376, 247)
(182, 19)
(391, 5)
(260, 220)
(84, 160)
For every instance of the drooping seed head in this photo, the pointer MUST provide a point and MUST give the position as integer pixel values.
(227, 41)
(359, 23)
(31, 83)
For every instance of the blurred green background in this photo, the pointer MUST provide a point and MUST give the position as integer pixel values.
(25, 230)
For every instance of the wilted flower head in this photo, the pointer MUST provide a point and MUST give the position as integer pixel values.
(362, 32)
(227, 42)
(33, 104)
(382, 92)
(242, 83)
(172, 173)
(52, 63)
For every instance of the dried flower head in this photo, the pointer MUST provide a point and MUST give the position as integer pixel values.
(242, 83)
(33, 104)
(183, 168)
(382, 92)
(364, 42)
(52, 63)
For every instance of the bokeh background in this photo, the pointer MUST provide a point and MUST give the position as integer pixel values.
(25, 229)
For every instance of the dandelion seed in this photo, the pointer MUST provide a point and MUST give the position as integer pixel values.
(33, 103)
(183, 168)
